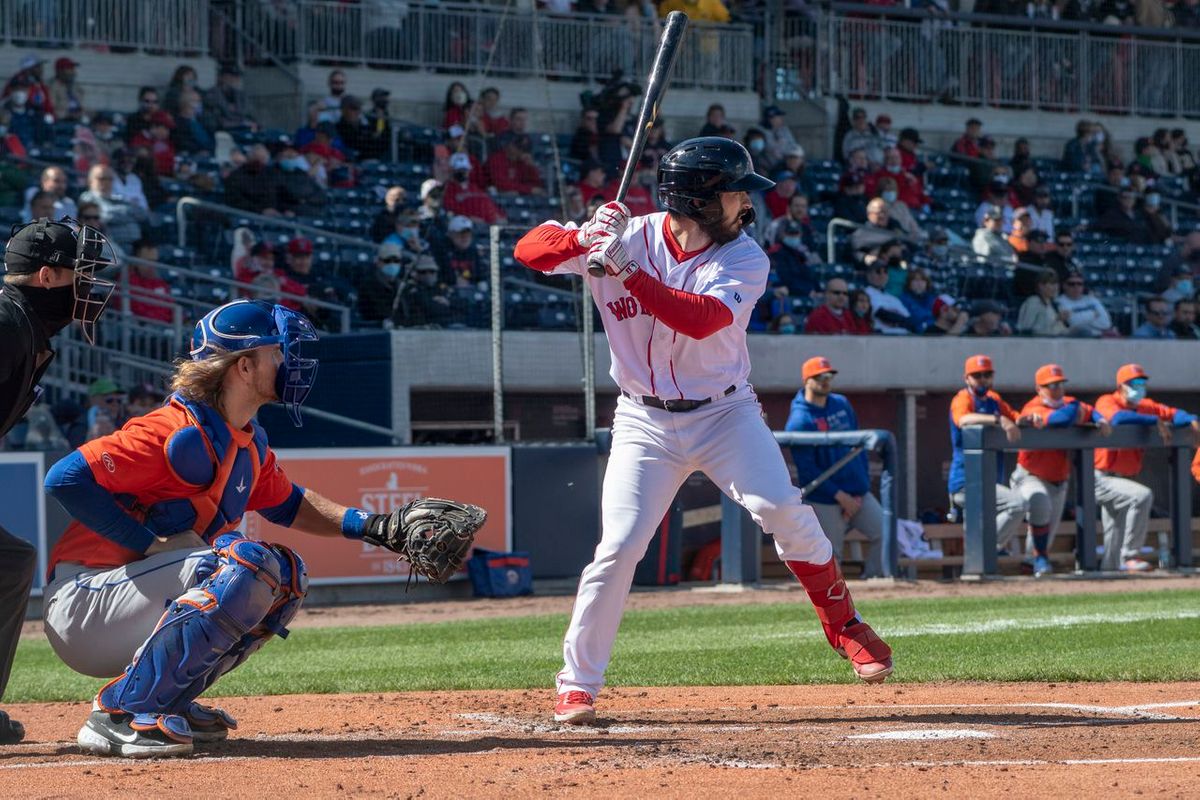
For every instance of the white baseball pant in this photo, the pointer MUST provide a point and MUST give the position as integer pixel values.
(1010, 510)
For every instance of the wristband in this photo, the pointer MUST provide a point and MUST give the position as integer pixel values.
(355, 523)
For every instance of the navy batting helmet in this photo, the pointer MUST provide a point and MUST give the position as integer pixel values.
(693, 173)
(247, 324)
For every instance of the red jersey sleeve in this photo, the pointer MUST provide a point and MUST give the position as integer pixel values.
(960, 406)
(273, 485)
(695, 315)
(132, 460)
(547, 246)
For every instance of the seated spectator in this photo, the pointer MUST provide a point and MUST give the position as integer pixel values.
(89, 214)
(1183, 325)
(156, 137)
(296, 192)
(783, 324)
(379, 118)
(1027, 242)
(883, 130)
(362, 140)
(510, 167)
(1041, 214)
(934, 255)
(1158, 321)
(302, 280)
(330, 106)
(919, 299)
(794, 162)
(576, 211)
(1179, 140)
(968, 143)
(639, 198)
(457, 108)
(989, 241)
(780, 139)
(910, 190)
(492, 122)
(41, 206)
(850, 203)
(995, 195)
(122, 219)
(988, 320)
(797, 211)
(755, 142)
(1188, 254)
(407, 232)
(1024, 189)
(984, 169)
(1039, 316)
(833, 316)
(1061, 257)
(518, 121)
(868, 240)
(1086, 315)
(1082, 153)
(616, 129)
(1166, 148)
(593, 181)
(325, 146)
(898, 213)
(251, 187)
(423, 301)
(189, 135)
(1148, 157)
(66, 95)
(778, 197)
(1105, 198)
(260, 259)
(657, 145)
(28, 79)
(225, 104)
(184, 78)
(949, 318)
(145, 282)
(1124, 221)
(126, 182)
(1181, 284)
(378, 290)
(891, 316)
(25, 122)
(394, 201)
(791, 262)
(53, 180)
(714, 120)
(857, 166)
(466, 198)
(104, 135)
(863, 136)
(910, 160)
(861, 312)
(139, 121)
(143, 398)
(1022, 158)
(106, 408)
(1159, 228)
(460, 262)
(585, 143)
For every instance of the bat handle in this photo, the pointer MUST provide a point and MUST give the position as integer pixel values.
(595, 265)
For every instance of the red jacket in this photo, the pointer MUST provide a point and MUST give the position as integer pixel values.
(162, 151)
(909, 188)
(470, 202)
(822, 320)
(150, 286)
(512, 176)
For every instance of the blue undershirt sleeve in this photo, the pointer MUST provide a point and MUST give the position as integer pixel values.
(73, 485)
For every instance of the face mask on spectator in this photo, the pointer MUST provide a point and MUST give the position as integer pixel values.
(1098, 137)
(297, 164)
(793, 242)
(757, 145)
(1134, 394)
(1185, 287)
(458, 97)
(427, 278)
(889, 197)
(104, 136)
(19, 98)
(787, 328)
(1125, 181)
(1053, 402)
(1153, 200)
(391, 269)
(893, 168)
(940, 250)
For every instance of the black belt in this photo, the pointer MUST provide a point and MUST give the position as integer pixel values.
(675, 406)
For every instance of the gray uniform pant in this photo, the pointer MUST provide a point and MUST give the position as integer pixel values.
(1045, 500)
(1125, 511)
(18, 560)
(868, 521)
(1010, 510)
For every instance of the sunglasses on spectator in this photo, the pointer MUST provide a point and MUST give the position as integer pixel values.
(1158, 312)
(982, 374)
(1066, 244)
(837, 291)
(391, 260)
(1073, 283)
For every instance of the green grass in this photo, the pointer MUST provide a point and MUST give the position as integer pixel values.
(1145, 636)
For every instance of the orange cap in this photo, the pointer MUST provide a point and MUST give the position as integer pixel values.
(1129, 372)
(1048, 374)
(817, 365)
(978, 364)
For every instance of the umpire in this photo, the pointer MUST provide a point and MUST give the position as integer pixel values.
(49, 281)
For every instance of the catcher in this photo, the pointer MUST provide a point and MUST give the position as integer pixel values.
(156, 505)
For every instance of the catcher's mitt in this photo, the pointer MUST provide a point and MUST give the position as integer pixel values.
(432, 534)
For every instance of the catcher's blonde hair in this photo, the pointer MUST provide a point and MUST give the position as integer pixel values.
(203, 381)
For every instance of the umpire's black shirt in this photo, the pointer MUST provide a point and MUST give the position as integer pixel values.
(24, 355)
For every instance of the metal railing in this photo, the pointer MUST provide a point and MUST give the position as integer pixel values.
(164, 27)
(890, 53)
(464, 36)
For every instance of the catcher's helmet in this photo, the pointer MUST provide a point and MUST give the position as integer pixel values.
(693, 173)
(246, 324)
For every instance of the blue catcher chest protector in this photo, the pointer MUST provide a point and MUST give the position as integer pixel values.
(247, 324)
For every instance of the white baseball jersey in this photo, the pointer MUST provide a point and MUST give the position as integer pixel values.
(648, 358)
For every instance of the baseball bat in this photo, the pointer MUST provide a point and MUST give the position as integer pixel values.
(656, 87)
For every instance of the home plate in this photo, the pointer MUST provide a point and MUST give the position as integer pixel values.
(929, 733)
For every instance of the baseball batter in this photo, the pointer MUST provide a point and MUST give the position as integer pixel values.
(153, 562)
(678, 290)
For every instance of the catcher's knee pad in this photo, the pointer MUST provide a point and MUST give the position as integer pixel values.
(253, 582)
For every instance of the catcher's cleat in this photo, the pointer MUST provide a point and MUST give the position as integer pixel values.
(135, 735)
(575, 708)
(208, 723)
(868, 654)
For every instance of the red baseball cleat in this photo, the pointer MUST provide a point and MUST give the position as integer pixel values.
(868, 654)
(575, 708)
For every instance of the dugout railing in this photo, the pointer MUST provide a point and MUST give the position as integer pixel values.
(741, 538)
(982, 443)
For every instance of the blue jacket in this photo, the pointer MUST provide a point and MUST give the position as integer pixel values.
(837, 415)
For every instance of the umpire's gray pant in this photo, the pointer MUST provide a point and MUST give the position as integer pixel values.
(18, 560)
(1010, 510)
(868, 521)
(1045, 500)
(1125, 511)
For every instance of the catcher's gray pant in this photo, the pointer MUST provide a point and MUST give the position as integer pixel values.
(868, 521)
(18, 560)
(96, 619)
(1125, 511)
(1010, 510)
(1044, 499)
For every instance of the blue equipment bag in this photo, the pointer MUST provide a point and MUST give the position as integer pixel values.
(496, 574)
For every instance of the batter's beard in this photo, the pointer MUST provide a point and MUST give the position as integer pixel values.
(723, 232)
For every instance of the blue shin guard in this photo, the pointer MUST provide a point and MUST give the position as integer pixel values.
(256, 589)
